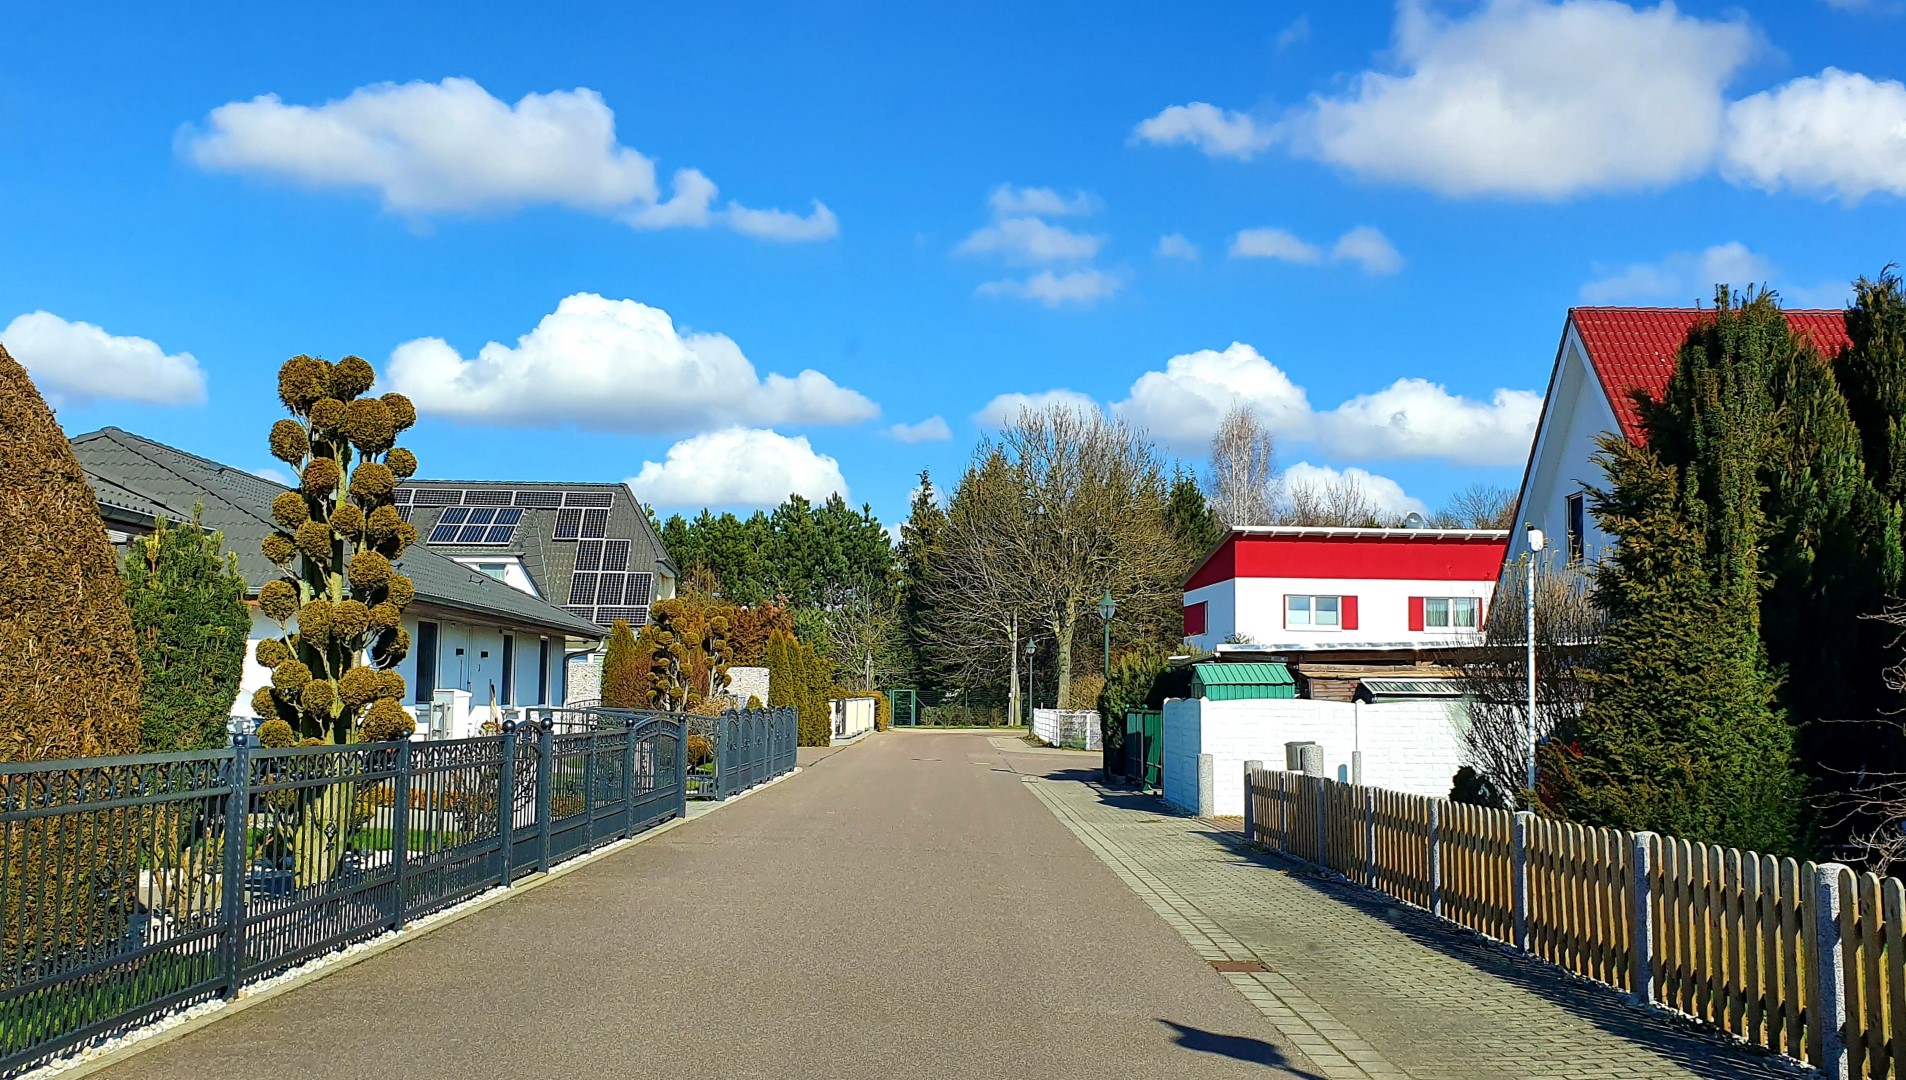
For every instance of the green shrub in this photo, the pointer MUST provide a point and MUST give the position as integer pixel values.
(624, 674)
(188, 612)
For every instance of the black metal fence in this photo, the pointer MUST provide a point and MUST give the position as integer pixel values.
(730, 753)
(123, 897)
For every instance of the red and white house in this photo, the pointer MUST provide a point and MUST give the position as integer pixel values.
(1305, 587)
(1607, 355)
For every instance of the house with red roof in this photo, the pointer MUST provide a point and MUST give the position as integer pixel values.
(1607, 356)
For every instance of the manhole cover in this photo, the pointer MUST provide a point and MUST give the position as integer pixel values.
(1243, 966)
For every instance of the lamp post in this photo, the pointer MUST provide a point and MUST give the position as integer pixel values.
(1536, 541)
(1031, 701)
(1107, 607)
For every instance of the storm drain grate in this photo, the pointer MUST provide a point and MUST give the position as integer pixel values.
(1241, 966)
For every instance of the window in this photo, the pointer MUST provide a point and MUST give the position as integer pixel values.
(426, 687)
(542, 672)
(1450, 613)
(509, 670)
(1577, 524)
(1194, 619)
(1323, 612)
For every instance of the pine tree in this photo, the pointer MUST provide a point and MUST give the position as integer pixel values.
(1188, 514)
(69, 669)
(189, 614)
(625, 679)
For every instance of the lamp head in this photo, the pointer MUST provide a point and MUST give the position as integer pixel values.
(1536, 539)
(1107, 606)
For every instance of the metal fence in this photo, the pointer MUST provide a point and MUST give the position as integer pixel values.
(123, 896)
(730, 753)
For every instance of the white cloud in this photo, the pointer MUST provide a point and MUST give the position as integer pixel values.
(1416, 418)
(1217, 132)
(451, 146)
(932, 429)
(1006, 408)
(1838, 133)
(1057, 290)
(1681, 277)
(1387, 494)
(1026, 240)
(1010, 201)
(1183, 404)
(79, 362)
(1175, 246)
(274, 474)
(1369, 248)
(1274, 244)
(1364, 245)
(1296, 33)
(738, 466)
(1534, 98)
(614, 365)
(1411, 418)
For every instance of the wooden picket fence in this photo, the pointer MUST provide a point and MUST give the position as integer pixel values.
(1806, 960)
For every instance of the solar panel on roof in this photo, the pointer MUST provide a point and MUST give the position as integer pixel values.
(609, 589)
(568, 524)
(615, 555)
(588, 498)
(438, 496)
(540, 500)
(456, 515)
(443, 534)
(636, 617)
(595, 523)
(403, 495)
(582, 590)
(589, 555)
(486, 497)
(638, 589)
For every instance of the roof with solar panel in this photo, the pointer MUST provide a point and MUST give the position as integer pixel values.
(586, 547)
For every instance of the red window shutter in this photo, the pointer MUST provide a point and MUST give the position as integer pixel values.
(1349, 609)
(1194, 619)
(1416, 613)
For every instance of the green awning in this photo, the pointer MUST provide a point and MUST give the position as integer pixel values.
(1242, 682)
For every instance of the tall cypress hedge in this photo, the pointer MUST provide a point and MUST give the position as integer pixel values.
(69, 671)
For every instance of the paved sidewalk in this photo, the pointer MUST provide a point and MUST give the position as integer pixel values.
(1364, 986)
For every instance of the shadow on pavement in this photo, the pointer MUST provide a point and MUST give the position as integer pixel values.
(1695, 1047)
(1237, 1047)
(1119, 798)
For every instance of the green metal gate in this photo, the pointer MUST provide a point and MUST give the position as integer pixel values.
(906, 707)
(1145, 747)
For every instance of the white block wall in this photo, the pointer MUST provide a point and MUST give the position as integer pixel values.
(1408, 746)
(853, 717)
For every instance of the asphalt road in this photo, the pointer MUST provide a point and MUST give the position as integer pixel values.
(904, 908)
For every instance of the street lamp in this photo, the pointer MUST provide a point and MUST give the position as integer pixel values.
(1031, 703)
(1536, 541)
(1107, 607)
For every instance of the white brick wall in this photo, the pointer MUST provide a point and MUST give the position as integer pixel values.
(1409, 746)
(1052, 726)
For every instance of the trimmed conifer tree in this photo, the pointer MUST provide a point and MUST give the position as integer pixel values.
(333, 678)
(625, 683)
(189, 615)
(69, 669)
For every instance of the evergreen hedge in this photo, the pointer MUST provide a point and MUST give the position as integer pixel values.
(189, 615)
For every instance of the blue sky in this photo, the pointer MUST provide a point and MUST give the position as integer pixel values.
(1381, 212)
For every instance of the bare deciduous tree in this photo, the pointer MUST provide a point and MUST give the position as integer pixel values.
(1064, 506)
(1340, 501)
(1494, 676)
(1478, 506)
(1873, 811)
(1242, 482)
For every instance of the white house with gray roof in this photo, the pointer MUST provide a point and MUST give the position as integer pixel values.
(473, 638)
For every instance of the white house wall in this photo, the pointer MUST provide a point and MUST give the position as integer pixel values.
(1576, 415)
(1254, 607)
(1408, 746)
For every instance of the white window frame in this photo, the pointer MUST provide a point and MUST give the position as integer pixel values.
(1450, 603)
(1311, 608)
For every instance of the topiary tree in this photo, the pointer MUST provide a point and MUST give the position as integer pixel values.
(625, 679)
(188, 611)
(69, 671)
(685, 647)
(332, 678)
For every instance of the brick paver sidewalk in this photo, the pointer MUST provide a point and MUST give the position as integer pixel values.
(1366, 987)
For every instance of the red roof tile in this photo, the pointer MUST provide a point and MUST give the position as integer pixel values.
(1635, 348)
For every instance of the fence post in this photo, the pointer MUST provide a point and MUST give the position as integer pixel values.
(1322, 790)
(1370, 837)
(506, 804)
(589, 790)
(681, 767)
(400, 832)
(1829, 1002)
(628, 777)
(545, 769)
(1519, 838)
(1436, 857)
(237, 843)
(1643, 858)
(1207, 785)
(1250, 802)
